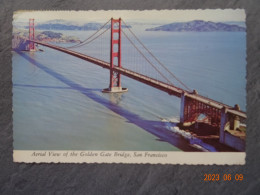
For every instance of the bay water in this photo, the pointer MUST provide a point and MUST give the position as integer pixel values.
(58, 102)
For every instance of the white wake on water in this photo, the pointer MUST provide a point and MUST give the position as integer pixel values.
(171, 125)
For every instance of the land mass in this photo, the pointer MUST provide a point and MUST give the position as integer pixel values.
(199, 26)
(20, 37)
(64, 25)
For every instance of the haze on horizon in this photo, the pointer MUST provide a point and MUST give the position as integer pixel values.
(146, 16)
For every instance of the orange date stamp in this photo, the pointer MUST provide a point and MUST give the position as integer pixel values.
(224, 177)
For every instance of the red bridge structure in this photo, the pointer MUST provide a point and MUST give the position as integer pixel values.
(154, 74)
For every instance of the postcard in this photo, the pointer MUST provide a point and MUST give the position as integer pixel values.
(129, 86)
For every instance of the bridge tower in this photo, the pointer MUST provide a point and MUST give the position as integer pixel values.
(31, 34)
(115, 58)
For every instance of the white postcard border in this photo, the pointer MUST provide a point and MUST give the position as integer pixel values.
(129, 157)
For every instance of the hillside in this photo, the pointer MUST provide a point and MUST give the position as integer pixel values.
(198, 26)
(19, 38)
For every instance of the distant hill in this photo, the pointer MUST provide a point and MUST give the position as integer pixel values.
(198, 26)
(58, 26)
(62, 25)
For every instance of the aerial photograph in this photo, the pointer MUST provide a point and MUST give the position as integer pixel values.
(122, 80)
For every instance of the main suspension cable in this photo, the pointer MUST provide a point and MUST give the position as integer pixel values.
(146, 58)
(94, 38)
(156, 58)
(82, 43)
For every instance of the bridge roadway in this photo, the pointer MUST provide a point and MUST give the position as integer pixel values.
(170, 89)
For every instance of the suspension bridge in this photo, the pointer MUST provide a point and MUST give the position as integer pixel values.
(128, 56)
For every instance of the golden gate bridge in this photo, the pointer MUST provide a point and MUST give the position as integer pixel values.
(146, 68)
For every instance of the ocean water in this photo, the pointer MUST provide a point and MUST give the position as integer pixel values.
(58, 103)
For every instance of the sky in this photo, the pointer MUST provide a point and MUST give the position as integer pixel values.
(147, 16)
